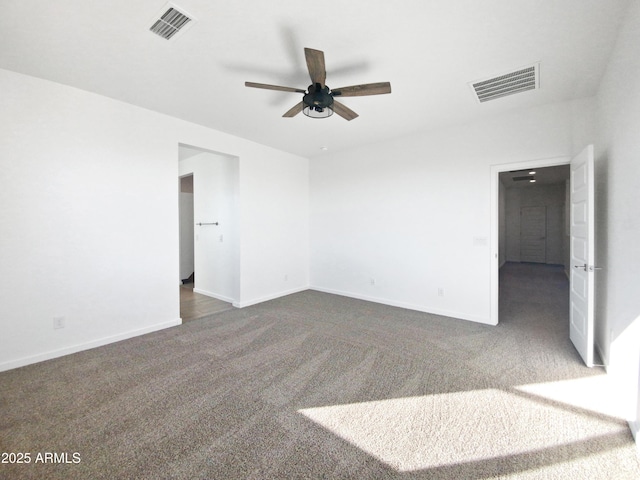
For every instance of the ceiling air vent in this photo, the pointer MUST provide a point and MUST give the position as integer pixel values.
(527, 78)
(523, 178)
(170, 22)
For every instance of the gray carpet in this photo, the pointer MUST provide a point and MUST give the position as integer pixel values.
(321, 386)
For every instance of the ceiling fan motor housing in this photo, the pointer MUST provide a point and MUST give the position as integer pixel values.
(318, 97)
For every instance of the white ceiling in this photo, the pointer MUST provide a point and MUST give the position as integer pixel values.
(543, 176)
(428, 50)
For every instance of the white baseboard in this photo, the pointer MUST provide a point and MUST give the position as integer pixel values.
(21, 362)
(408, 306)
(598, 350)
(213, 295)
(266, 298)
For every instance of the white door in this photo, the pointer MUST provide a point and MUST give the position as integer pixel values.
(533, 234)
(582, 254)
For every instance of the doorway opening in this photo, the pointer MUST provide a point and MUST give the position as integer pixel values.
(580, 200)
(534, 248)
(209, 232)
(508, 242)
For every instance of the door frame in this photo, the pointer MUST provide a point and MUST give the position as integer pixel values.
(181, 245)
(495, 220)
(233, 233)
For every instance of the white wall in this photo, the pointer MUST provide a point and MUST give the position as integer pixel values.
(414, 214)
(216, 252)
(88, 188)
(274, 208)
(618, 207)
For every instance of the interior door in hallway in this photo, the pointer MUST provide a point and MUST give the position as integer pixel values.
(533, 234)
(581, 310)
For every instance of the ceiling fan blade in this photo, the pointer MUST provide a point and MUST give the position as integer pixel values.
(315, 64)
(362, 90)
(295, 110)
(273, 87)
(344, 111)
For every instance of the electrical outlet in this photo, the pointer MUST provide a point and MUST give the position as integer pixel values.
(58, 322)
(221, 238)
(373, 281)
(440, 292)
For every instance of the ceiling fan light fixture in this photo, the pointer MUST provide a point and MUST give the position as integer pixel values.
(318, 103)
(317, 112)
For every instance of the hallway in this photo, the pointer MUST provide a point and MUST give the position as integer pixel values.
(534, 297)
(195, 305)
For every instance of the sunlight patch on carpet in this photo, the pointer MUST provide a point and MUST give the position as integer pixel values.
(597, 394)
(416, 433)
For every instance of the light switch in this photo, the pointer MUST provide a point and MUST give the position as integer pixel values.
(479, 241)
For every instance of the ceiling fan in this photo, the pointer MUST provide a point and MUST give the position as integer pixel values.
(319, 100)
